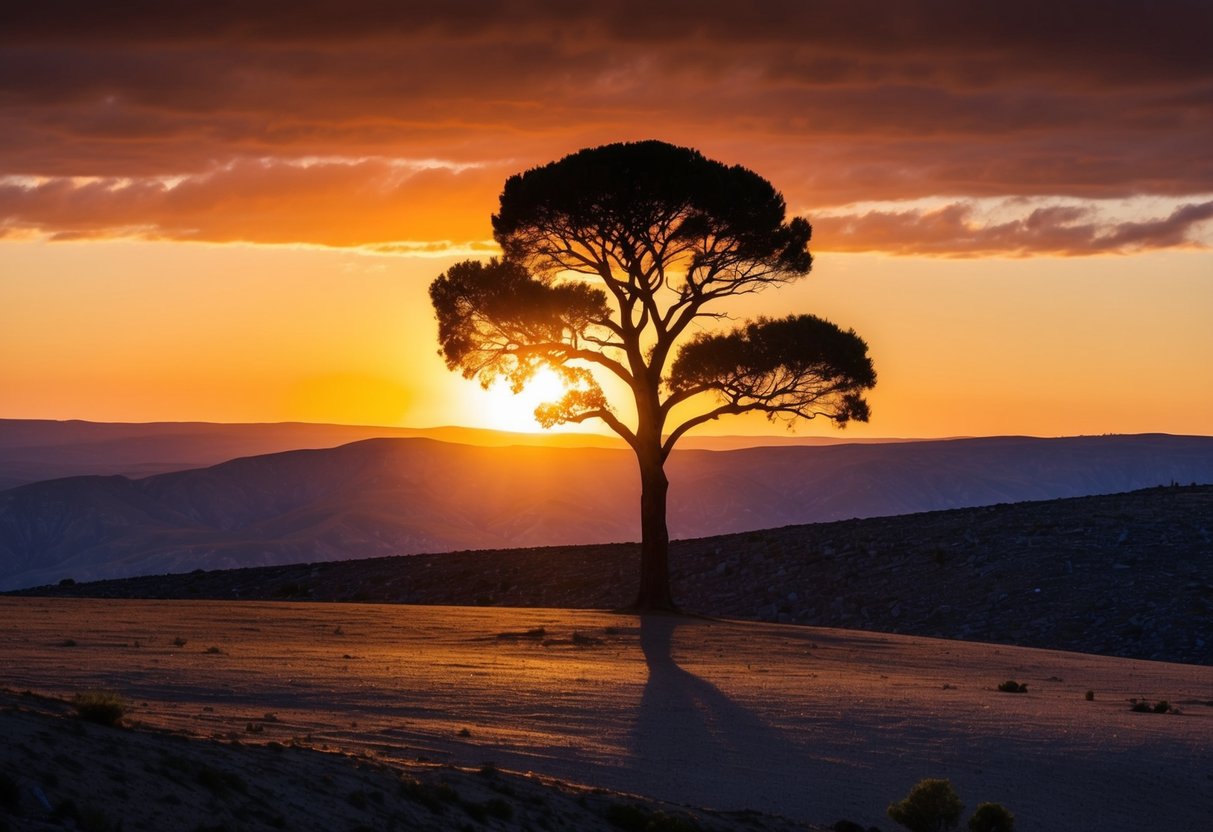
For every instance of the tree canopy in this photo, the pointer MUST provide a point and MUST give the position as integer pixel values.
(615, 260)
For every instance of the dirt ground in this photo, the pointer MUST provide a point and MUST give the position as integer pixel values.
(812, 724)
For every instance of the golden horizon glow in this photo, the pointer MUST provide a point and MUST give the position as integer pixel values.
(263, 334)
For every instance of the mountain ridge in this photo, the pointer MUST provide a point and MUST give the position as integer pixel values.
(379, 497)
(32, 450)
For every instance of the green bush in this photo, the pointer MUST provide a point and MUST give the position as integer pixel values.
(992, 817)
(100, 706)
(931, 806)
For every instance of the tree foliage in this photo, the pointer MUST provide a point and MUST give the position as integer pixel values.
(615, 259)
(798, 366)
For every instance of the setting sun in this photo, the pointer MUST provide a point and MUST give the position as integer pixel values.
(515, 412)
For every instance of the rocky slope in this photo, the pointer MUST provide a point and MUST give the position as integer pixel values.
(146, 779)
(1124, 575)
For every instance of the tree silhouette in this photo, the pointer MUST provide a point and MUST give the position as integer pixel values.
(615, 258)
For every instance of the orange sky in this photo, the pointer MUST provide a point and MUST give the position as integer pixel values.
(233, 216)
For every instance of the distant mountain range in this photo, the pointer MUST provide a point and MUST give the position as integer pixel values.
(411, 495)
(32, 450)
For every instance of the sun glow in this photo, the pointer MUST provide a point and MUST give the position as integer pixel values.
(509, 411)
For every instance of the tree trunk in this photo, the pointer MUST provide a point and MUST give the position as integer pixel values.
(654, 537)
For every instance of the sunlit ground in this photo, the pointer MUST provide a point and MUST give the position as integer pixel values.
(809, 723)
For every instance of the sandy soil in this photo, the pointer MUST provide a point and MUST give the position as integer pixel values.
(812, 724)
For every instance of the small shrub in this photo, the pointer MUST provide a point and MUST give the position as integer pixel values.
(446, 793)
(213, 650)
(635, 819)
(418, 792)
(1090, 696)
(1011, 686)
(85, 819)
(931, 806)
(68, 642)
(10, 793)
(1142, 706)
(500, 809)
(992, 817)
(99, 706)
(627, 817)
(533, 634)
(476, 811)
(220, 782)
(465, 732)
(179, 642)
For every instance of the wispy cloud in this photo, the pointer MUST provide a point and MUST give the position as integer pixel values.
(383, 203)
(964, 229)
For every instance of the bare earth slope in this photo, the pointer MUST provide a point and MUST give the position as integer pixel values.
(1122, 574)
(813, 724)
(407, 496)
(99, 777)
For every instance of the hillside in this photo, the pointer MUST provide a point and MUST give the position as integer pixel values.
(32, 450)
(1121, 575)
(406, 496)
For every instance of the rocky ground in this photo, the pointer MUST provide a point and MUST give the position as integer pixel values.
(1121, 575)
(58, 771)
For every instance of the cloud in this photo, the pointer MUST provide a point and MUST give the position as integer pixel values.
(388, 204)
(961, 229)
(836, 102)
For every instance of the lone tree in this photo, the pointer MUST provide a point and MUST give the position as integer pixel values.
(614, 259)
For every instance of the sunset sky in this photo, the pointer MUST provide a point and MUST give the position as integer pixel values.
(233, 215)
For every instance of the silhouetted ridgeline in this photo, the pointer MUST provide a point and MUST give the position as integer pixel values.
(407, 496)
(1123, 574)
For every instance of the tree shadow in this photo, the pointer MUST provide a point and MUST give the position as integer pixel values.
(688, 729)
